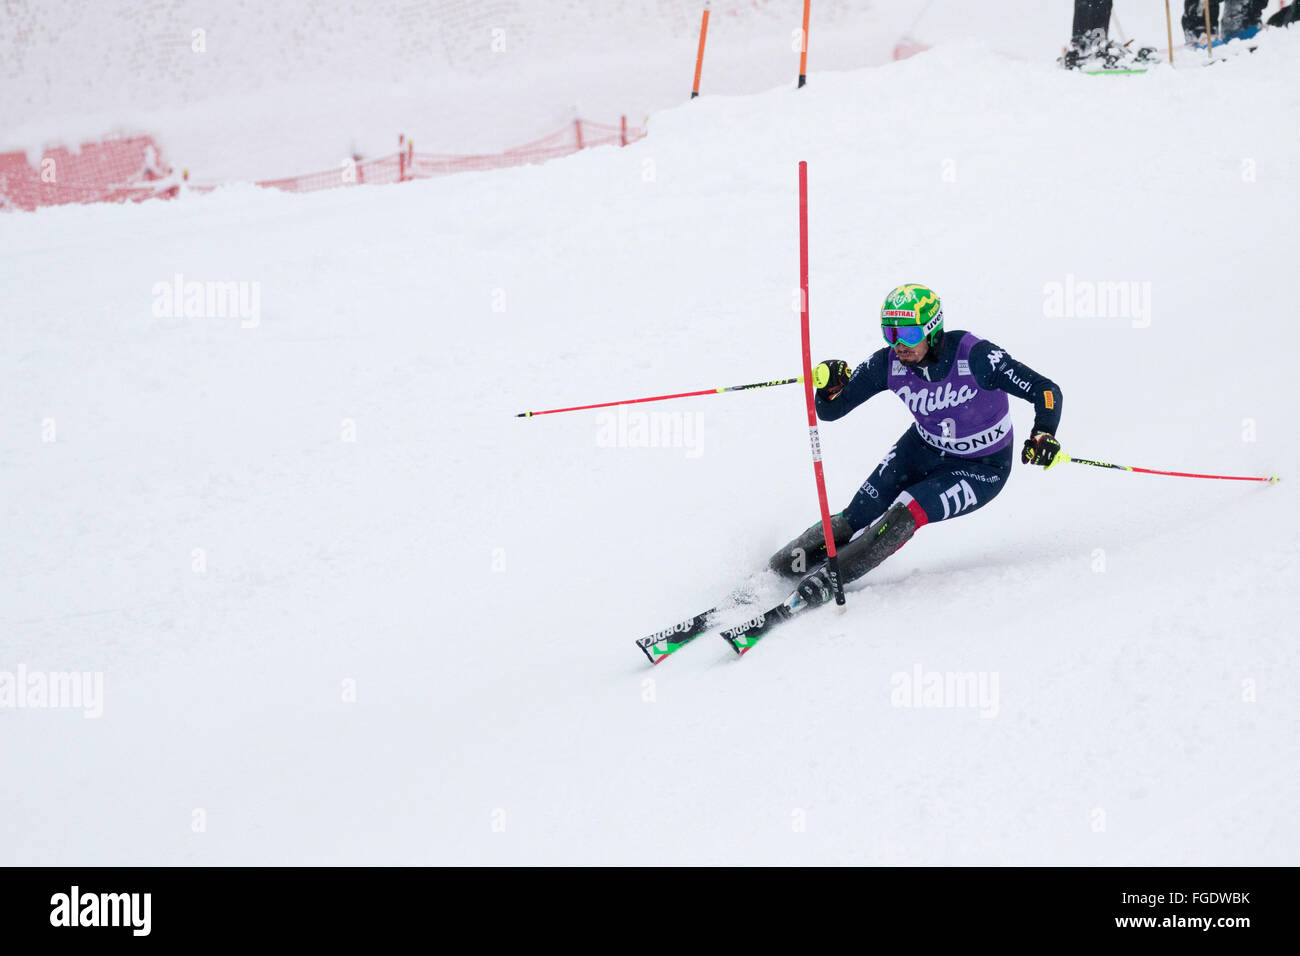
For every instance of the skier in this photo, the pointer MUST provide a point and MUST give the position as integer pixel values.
(956, 458)
(1090, 45)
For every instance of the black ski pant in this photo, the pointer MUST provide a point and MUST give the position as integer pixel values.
(1238, 15)
(1090, 17)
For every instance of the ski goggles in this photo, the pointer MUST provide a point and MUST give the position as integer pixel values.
(909, 335)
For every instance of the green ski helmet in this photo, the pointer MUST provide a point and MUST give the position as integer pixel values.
(911, 313)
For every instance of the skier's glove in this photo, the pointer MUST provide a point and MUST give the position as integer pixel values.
(1040, 449)
(831, 376)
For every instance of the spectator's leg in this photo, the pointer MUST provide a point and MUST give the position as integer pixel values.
(1091, 25)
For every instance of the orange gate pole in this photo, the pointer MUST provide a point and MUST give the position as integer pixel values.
(699, 57)
(803, 45)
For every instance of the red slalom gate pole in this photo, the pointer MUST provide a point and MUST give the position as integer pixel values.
(660, 398)
(699, 57)
(803, 45)
(832, 562)
(1061, 456)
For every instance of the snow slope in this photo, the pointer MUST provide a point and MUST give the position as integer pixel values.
(298, 85)
(481, 578)
(290, 87)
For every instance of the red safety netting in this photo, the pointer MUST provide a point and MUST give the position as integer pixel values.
(908, 47)
(132, 168)
(115, 170)
(407, 164)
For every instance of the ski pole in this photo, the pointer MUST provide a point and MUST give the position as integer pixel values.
(1062, 456)
(660, 398)
(832, 562)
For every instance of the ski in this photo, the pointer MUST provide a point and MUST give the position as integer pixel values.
(662, 644)
(671, 639)
(744, 636)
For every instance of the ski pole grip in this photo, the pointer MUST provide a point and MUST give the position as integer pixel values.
(821, 375)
